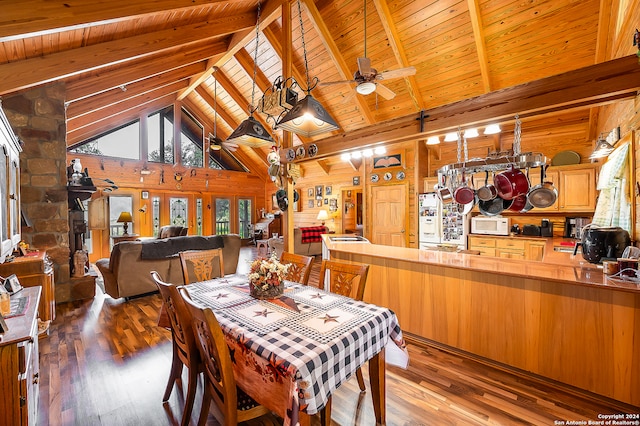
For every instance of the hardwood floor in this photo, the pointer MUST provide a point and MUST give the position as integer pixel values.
(106, 362)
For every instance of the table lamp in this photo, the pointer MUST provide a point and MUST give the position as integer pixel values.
(124, 218)
(322, 216)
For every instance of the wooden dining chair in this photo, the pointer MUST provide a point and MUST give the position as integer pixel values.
(219, 380)
(299, 267)
(185, 348)
(347, 280)
(201, 265)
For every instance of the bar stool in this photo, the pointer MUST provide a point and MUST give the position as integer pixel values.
(263, 248)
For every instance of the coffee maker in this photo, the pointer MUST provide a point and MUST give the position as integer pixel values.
(573, 226)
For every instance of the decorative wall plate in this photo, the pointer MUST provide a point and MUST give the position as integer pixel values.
(375, 178)
(387, 176)
(291, 154)
(400, 175)
(313, 150)
(300, 152)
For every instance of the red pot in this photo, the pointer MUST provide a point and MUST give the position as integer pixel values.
(511, 183)
(518, 203)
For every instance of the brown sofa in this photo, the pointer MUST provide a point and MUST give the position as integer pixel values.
(127, 272)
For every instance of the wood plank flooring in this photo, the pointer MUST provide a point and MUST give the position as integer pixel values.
(106, 363)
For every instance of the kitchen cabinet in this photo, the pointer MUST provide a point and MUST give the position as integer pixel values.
(576, 186)
(508, 247)
(19, 365)
(35, 270)
(429, 183)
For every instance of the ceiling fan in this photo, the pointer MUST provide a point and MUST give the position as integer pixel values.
(368, 79)
(215, 143)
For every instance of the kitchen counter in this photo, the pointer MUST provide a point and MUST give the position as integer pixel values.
(563, 321)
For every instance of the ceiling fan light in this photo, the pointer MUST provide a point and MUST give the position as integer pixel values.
(366, 88)
(492, 129)
(307, 118)
(433, 140)
(250, 133)
(451, 137)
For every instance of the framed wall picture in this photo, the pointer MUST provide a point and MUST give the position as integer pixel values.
(310, 192)
(327, 190)
(356, 180)
(319, 203)
(145, 195)
(326, 201)
(394, 160)
(310, 204)
(319, 192)
(12, 284)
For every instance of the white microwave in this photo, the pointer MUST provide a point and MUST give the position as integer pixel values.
(490, 225)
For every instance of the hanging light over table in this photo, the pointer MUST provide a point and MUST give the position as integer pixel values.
(308, 117)
(250, 132)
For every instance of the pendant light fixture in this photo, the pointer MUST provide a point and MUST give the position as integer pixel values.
(250, 132)
(308, 117)
(215, 143)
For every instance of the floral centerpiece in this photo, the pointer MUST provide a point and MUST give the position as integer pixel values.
(266, 278)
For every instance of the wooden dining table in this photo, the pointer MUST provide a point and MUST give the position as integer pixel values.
(291, 353)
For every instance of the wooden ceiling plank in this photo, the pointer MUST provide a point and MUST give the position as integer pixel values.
(31, 72)
(75, 124)
(593, 85)
(116, 76)
(481, 48)
(271, 12)
(30, 18)
(222, 113)
(109, 98)
(336, 56)
(239, 99)
(247, 63)
(396, 46)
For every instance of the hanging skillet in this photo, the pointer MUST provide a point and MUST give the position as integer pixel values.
(544, 194)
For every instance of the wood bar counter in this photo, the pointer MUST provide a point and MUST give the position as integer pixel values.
(568, 323)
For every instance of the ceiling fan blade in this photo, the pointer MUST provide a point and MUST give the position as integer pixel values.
(364, 66)
(230, 146)
(401, 72)
(331, 83)
(384, 91)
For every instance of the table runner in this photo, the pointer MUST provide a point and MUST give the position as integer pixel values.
(319, 345)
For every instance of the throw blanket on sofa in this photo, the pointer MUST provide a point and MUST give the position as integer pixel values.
(312, 234)
(160, 249)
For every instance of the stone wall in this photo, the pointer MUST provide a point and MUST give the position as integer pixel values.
(38, 118)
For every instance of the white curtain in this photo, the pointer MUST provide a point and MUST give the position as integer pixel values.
(614, 202)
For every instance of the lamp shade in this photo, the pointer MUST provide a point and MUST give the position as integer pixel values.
(124, 217)
(250, 133)
(307, 118)
(322, 215)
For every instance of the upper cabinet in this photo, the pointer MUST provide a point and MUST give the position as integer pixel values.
(576, 187)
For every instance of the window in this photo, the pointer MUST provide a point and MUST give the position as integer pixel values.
(155, 211)
(178, 211)
(244, 217)
(117, 205)
(160, 136)
(198, 216)
(191, 137)
(223, 213)
(123, 142)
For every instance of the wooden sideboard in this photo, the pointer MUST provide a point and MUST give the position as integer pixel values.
(19, 365)
(35, 270)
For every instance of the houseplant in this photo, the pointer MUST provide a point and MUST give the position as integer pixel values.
(266, 278)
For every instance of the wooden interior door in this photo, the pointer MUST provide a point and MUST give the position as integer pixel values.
(389, 215)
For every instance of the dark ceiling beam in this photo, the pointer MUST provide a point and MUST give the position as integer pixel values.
(597, 84)
(30, 18)
(396, 46)
(24, 74)
(270, 12)
(120, 94)
(115, 76)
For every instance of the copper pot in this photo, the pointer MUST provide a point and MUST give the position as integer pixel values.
(511, 183)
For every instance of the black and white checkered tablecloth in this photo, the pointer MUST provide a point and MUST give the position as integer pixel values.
(325, 341)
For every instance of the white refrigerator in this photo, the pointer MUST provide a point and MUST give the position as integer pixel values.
(441, 224)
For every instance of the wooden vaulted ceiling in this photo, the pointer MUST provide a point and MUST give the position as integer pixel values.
(123, 58)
